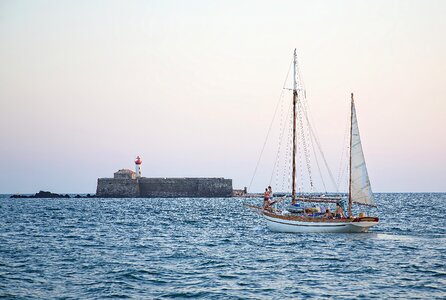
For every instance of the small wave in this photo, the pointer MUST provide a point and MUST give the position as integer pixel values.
(395, 237)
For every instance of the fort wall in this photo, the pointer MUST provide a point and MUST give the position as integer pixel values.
(117, 188)
(163, 187)
(185, 187)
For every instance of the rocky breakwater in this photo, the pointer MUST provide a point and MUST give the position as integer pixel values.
(49, 195)
(42, 194)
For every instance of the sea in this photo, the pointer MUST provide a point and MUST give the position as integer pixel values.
(215, 249)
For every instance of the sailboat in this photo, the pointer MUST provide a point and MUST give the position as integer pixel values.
(360, 192)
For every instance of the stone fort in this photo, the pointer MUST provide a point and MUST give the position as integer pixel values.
(129, 184)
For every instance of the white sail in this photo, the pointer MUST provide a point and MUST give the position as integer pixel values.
(361, 191)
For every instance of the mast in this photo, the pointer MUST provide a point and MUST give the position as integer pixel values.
(293, 199)
(350, 163)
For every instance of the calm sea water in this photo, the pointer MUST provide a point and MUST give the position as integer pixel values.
(215, 248)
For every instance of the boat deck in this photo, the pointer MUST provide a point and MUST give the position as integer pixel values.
(302, 218)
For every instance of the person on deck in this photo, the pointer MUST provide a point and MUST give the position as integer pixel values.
(270, 191)
(339, 212)
(328, 214)
(266, 203)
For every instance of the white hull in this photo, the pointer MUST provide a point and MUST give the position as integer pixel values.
(292, 226)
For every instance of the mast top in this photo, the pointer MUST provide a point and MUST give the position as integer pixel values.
(295, 71)
(352, 97)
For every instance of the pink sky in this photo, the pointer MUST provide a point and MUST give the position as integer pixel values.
(190, 86)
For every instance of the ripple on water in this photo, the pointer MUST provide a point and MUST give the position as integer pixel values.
(214, 248)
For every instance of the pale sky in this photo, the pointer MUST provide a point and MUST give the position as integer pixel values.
(191, 86)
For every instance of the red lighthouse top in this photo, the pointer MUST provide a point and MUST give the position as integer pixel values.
(138, 160)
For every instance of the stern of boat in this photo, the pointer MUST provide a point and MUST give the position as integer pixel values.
(363, 224)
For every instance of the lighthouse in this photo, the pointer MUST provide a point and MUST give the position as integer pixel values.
(138, 162)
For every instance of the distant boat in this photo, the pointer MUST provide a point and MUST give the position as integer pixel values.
(296, 220)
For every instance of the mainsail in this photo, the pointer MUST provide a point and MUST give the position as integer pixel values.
(360, 189)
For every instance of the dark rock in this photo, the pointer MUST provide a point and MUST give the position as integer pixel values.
(42, 194)
(49, 195)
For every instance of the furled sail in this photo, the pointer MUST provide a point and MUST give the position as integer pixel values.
(361, 191)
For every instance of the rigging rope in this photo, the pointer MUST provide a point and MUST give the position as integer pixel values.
(307, 112)
(282, 131)
(314, 148)
(269, 129)
(304, 143)
(319, 168)
(322, 154)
